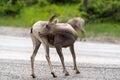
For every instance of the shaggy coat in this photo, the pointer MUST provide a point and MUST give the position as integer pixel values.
(78, 24)
(52, 34)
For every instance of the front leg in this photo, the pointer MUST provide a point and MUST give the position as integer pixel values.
(59, 50)
(46, 46)
(49, 62)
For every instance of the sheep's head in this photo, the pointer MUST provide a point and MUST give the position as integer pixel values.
(49, 28)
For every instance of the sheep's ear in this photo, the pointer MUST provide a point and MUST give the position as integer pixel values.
(55, 21)
(52, 18)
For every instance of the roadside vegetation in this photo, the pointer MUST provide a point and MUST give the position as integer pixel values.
(102, 16)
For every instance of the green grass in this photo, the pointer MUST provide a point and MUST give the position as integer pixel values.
(36, 13)
(31, 14)
(103, 29)
(13, 22)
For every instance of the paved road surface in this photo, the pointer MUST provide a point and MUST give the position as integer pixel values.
(21, 48)
(96, 61)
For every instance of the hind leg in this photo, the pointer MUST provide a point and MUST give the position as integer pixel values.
(82, 30)
(74, 59)
(36, 44)
(83, 34)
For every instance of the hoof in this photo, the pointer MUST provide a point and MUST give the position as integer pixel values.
(33, 76)
(67, 74)
(53, 74)
(77, 72)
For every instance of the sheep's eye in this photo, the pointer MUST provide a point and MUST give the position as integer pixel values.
(47, 26)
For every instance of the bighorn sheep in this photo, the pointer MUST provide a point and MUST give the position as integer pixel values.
(56, 35)
(78, 24)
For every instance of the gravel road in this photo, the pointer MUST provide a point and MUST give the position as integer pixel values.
(20, 70)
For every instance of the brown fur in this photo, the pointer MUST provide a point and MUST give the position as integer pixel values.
(50, 39)
(52, 34)
(78, 24)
